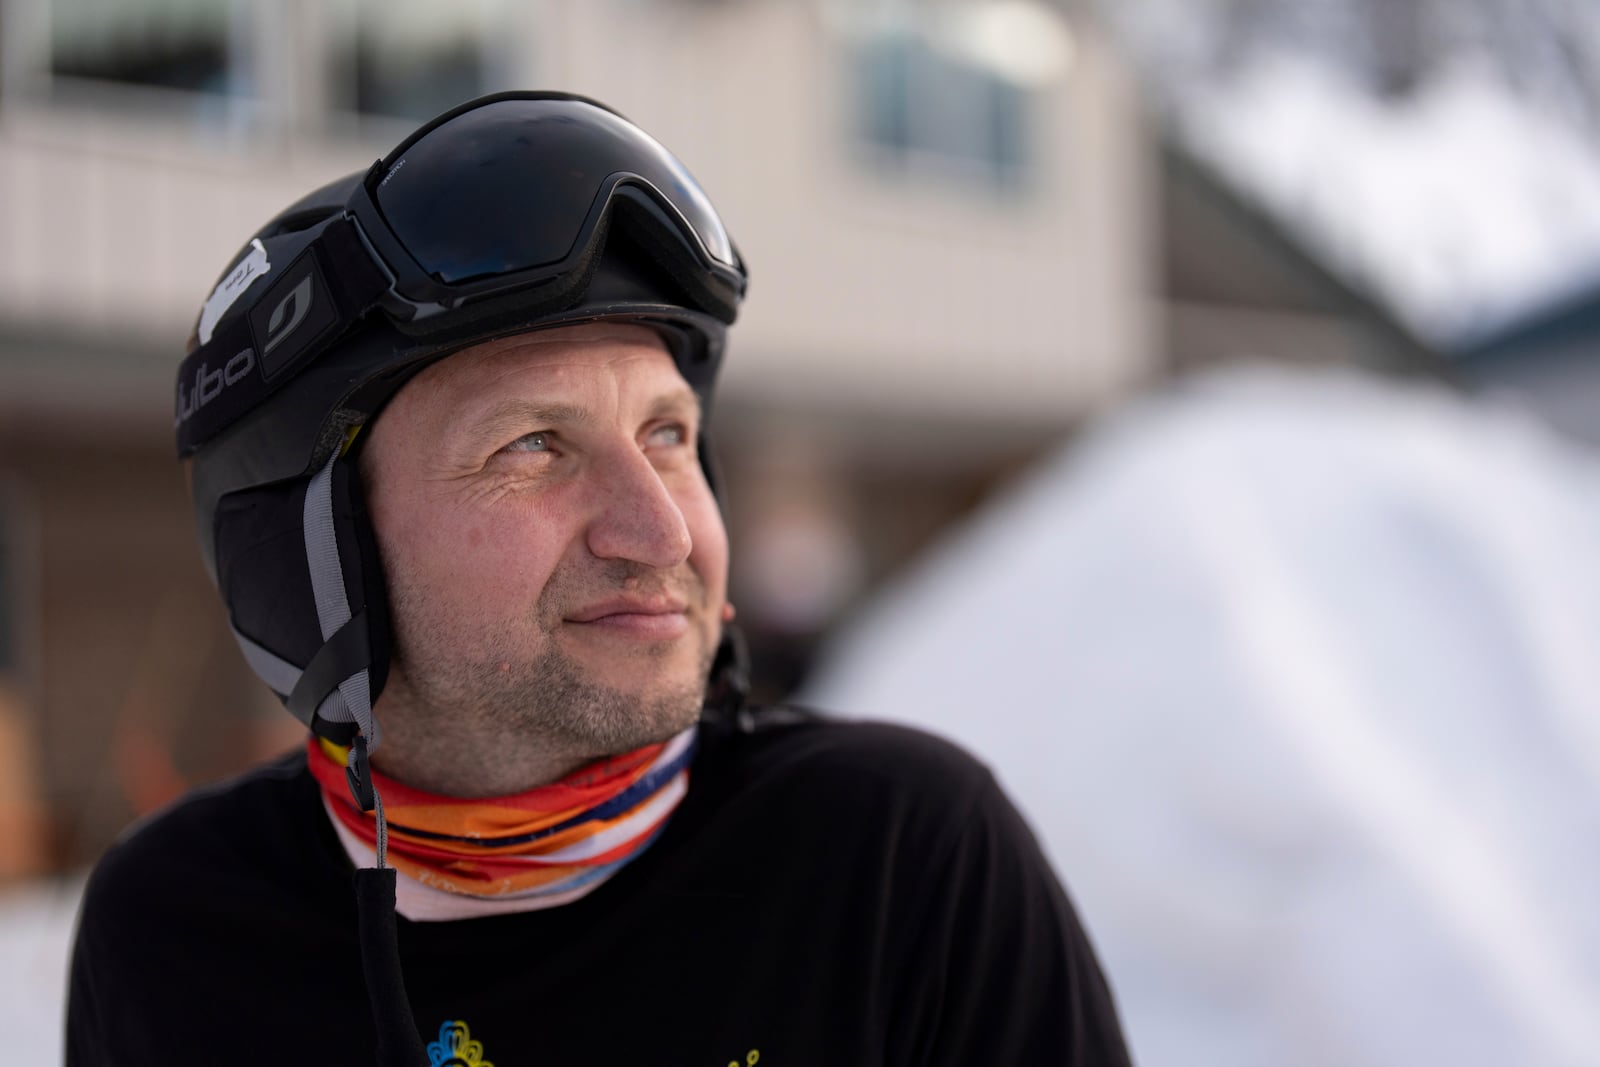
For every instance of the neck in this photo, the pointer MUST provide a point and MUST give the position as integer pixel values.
(482, 742)
(462, 771)
(453, 756)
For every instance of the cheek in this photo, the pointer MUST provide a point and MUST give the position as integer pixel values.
(459, 555)
(709, 555)
(511, 549)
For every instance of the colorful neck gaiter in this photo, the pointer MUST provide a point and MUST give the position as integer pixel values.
(547, 846)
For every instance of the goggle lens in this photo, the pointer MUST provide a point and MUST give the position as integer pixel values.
(477, 196)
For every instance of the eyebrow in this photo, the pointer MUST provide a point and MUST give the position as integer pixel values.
(517, 416)
(510, 416)
(676, 401)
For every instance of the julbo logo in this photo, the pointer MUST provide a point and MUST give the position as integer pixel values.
(207, 384)
(290, 312)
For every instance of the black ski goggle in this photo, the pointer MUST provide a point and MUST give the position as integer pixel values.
(492, 213)
(507, 192)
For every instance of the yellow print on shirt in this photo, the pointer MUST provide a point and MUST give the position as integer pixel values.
(751, 1058)
(455, 1047)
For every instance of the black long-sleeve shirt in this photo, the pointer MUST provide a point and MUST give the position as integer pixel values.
(827, 893)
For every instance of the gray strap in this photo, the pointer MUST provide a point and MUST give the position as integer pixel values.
(353, 698)
(352, 701)
(341, 656)
(279, 674)
(334, 709)
(322, 552)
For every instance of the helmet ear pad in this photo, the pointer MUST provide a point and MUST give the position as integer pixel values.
(265, 574)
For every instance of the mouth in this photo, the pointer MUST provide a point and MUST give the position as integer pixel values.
(645, 618)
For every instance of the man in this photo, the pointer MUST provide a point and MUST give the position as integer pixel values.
(445, 424)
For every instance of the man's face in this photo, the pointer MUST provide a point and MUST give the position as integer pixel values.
(556, 564)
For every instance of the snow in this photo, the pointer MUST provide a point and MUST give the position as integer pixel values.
(1293, 675)
(36, 923)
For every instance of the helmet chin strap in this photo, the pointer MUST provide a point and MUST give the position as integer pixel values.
(358, 775)
(344, 643)
(351, 701)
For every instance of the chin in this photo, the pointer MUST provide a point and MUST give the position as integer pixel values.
(649, 718)
(648, 668)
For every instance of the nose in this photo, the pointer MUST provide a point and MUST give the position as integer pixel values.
(636, 517)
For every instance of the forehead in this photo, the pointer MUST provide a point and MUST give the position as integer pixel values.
(624, 349)
(462, 401)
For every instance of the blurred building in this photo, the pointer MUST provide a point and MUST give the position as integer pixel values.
(1237, 285)
(947, 212)
(966, 237)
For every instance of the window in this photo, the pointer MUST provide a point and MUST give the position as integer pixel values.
(184, 54)
(919, 103)
(412, 59)
(952, 88)
(244, 63)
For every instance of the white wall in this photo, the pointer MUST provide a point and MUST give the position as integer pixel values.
(885, 293)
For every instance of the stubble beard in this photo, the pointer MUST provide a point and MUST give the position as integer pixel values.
(506, 705)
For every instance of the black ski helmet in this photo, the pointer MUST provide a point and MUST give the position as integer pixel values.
(513, 212)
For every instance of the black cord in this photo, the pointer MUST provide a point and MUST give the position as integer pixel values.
(398, 1042)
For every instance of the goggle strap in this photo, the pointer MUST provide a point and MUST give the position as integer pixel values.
(329, 285)
(357, 282)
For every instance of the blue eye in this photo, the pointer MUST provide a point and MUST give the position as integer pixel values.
(531, 442)
(674, 433)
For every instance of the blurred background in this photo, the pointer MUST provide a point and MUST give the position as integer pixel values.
(1186, 404)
